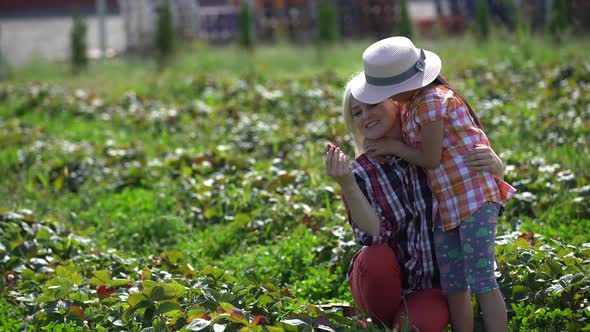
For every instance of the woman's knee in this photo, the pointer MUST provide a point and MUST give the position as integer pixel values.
(431, 301)
(375, 283)
(378, 260)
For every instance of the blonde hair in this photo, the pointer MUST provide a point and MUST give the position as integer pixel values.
(358, 138)
(347, 115)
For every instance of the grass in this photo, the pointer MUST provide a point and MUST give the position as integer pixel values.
(114, 77)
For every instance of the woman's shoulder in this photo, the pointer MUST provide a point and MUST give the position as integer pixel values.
(364, 166)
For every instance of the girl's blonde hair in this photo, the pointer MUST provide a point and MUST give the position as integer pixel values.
(347, 115)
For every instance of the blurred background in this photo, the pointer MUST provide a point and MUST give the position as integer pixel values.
(38, 29)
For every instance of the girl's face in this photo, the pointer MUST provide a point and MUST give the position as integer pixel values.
(377, 120)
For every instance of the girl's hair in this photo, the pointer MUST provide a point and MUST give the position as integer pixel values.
(442, 81)
(347, 115)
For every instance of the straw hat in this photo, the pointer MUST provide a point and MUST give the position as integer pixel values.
(391, 66)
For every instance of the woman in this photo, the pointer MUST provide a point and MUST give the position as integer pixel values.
(392, 211)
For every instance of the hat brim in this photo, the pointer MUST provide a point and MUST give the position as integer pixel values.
(373, 94)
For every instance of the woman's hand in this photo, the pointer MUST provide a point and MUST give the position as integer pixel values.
(337, 166)
(381, 148)
(484, 159)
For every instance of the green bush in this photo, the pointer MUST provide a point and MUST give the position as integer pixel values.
(558, 22)
(403, 26)
(78, 57)
(328, 22)
(165, 35)
(247, 37)
(482, 20)
(12, 317)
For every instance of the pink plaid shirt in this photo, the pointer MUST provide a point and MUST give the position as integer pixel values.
(459, 190)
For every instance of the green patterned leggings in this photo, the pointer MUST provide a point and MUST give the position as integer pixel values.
(466, 254)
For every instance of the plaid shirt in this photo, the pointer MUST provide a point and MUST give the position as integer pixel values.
(459, 190)
(400, 194)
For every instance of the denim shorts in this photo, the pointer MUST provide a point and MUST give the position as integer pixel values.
(466, 253)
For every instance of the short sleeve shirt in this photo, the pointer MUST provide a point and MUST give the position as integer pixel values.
(459, 190)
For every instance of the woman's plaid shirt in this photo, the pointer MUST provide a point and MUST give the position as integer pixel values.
(400, 194)
(460, 191)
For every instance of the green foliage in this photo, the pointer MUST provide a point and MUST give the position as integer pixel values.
(558, 23)
(247, 28)
(12, 316)
(165, 35)
(78, 47)
(327, 22)
(182, 201)
(403, 25)
(482, 22)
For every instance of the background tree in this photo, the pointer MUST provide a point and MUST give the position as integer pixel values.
(78, 56)
(482, 20)
(403, 26)
(328, 22)
(558, 21)
(247, 33)
(165, 35)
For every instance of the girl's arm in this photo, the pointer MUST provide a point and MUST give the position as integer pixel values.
(361, 211)
(427, 156)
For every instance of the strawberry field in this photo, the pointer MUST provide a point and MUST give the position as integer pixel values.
(196, 200)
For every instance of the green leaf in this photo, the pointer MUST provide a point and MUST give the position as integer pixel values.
(44, 234)
(167, 307)
(555, 289)
(157, 294)
(555, 267)
(135, 299)
(198, 325)
(119, 282)
(520, 292)
(102, 277)
(174, 256)
(294, 322)
(526, 257)
(577, 278)
(174, 289)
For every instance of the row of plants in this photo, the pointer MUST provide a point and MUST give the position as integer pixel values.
(53, 276)
(148, 214)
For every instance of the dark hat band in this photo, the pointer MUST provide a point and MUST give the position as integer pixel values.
(400, 78)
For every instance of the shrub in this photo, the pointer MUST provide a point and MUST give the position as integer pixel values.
(558, 21)
(247, 26)
(165, 34)
(404, 24)
(328, 22)
(482, 20)
(78, 57)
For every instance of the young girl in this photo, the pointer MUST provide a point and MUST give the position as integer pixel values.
(439, 127)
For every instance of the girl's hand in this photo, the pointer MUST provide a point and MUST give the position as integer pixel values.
(381, 148)
(337, 166)
(484, 159)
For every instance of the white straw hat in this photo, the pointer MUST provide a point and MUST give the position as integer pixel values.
(391, 66)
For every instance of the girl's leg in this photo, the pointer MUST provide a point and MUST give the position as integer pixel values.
(461, 311)
(375, 283)
(493, 310)
(451, 263)
(430, 301)
(478, 234)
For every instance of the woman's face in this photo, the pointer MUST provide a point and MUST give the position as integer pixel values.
(377, 120)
